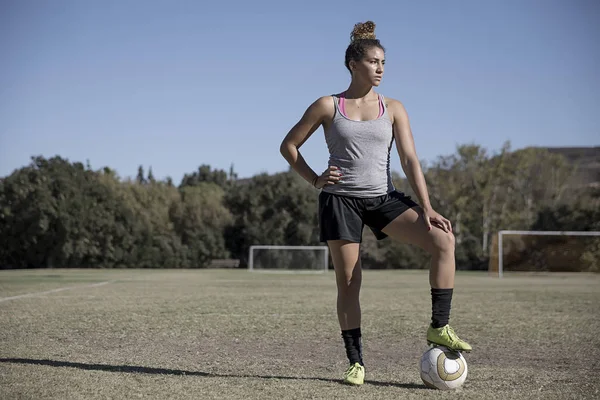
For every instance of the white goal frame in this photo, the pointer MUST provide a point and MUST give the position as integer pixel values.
(282, 247)
(536, 233)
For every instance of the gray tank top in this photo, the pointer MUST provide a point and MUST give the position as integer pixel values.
(361, 150)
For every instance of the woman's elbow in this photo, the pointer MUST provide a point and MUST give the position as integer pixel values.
(283, 148)
(286, 149)
(409, 161)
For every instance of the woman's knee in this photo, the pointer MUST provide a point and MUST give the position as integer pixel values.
(442, 242)
(349, 281)
(346, 262)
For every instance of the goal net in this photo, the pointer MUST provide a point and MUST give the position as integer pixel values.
(545, 251)
(288, 258)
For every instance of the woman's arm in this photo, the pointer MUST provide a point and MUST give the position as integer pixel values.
(411, 166)
(314, 116)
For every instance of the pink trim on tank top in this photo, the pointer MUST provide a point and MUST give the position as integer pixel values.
(342, 104)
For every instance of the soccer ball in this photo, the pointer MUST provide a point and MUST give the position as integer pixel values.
(442, 368)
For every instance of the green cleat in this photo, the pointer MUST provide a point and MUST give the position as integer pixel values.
(445, 336)
(355, 374)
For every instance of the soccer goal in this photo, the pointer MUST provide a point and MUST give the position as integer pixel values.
(545, 251)
(288, 258)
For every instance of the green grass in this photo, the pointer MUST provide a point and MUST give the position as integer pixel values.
(215, 334)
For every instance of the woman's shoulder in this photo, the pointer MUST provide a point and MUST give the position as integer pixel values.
(394, 104)
(329, 98)
(396, 109)
(324, 103)
(320, 109)
(391, 102)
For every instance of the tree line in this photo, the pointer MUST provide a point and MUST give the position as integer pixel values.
(58, 213)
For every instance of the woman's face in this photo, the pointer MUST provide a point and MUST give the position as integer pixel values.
(370, 68)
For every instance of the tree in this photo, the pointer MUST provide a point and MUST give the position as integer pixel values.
(151, 175)
(232, 174)
(200, 219)
(140, 176)
(205, 174)
(482, 194)
(278, 209)
(57, 214)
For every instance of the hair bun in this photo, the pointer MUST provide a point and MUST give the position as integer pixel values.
(363, 30)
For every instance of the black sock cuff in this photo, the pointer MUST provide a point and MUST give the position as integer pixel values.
(441, 291)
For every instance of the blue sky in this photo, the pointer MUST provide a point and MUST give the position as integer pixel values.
(177, 84)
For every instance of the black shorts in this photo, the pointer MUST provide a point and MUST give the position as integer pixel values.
(343, 217)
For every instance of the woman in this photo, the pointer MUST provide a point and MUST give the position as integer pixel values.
(360, 127)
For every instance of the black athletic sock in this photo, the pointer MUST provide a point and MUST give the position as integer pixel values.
(441, 300)
(353, 344)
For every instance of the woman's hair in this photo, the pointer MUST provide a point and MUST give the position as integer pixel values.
(362, 39)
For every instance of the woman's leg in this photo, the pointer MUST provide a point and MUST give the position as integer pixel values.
(348, 276)
(410, 228)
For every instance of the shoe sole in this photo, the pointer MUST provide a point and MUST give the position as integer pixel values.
(352, 383)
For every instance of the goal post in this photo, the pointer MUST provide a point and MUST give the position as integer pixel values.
(288, 258)
(590, 249)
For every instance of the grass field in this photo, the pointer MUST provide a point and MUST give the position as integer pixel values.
(214, 334)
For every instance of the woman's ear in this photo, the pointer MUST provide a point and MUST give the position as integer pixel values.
(352, 65)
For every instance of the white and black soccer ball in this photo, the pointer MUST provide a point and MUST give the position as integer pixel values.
(442, 368)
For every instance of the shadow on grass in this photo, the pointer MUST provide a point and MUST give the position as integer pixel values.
(166, 371)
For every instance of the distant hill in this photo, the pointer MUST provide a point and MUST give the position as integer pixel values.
(587, 161)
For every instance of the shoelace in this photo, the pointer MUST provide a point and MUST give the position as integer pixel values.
(453, 336)
(353, 371)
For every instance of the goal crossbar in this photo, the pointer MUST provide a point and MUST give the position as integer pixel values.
(285, 247)
(536, 233)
